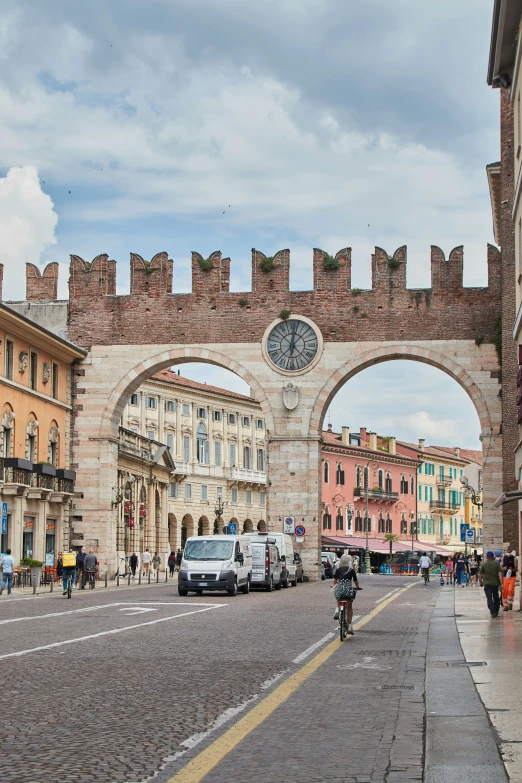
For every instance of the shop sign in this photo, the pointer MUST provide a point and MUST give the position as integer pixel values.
(28, 523)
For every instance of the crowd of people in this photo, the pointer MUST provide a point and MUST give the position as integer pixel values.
(496, 574)
(463, 570)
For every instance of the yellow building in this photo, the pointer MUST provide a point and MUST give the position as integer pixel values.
(36, 483)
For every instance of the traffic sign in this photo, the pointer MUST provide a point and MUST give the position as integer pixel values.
(463, 529)
(289, 524)
(470, 536)
(232, 528)
(299, 539)
(300, 530)
(4, 518)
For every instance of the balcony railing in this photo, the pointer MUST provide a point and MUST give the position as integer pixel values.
(38, 475)
(444, 481)
(246, 476)
(380, 495)
(444, 506)
(137, 445)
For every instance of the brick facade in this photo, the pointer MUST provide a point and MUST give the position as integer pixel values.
(42, 286)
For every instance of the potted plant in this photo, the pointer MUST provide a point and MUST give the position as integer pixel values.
(35, 567)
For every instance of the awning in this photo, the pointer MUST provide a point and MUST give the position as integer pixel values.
(378, 545)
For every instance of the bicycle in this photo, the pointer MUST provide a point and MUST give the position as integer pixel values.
(426, 575)
(343, 621)
(69, 585)
(91, 576)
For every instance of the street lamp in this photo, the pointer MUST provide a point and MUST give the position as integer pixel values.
(471, 493)
(220, 507)
(374, 465)
(413, 525)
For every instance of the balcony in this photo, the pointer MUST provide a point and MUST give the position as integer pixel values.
(137, 445)
(443, 507)
(244, 477)
(378, 495)
(444, 481)
(36, 481)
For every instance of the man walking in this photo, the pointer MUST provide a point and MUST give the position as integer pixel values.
(509, 577)
(8, 568)
(146, 558)
(80, 559)
(179, 558)
(490, 578)
(89, 567)
(133, 560)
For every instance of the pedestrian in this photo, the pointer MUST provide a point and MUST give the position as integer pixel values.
(473, 570)
(477, 557)
(490, 577)
(133, 560)
(89, 567)
(448, 568)
(146, 560)
(68, 568)
(156, 562)
(172, 563)
(80, 558)
(461, 570)
(7, 572)
(59, 566)
(355, 560)
(179, 558)
(509, 577)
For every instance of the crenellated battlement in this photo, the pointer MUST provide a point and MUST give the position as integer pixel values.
(151, 311)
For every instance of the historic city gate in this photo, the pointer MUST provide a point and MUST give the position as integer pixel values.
(294, 367)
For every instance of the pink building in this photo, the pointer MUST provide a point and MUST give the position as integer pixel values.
(350, 463)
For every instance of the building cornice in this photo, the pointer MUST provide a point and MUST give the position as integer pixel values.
(366, 454)
(186, 391)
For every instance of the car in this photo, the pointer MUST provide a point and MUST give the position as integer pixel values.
(328, 560)
(299, 572)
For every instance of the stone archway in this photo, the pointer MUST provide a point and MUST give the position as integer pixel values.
(261, 526)
(203, 526)
(248, 526)
(187, 528)
(173, 531)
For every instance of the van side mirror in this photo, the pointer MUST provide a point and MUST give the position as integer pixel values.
(240, 558)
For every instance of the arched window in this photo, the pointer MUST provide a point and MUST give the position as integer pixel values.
(339, 521)
(8, 419)
(52, 444)
(380, 479)
(413, 485)
(327, 521)
(358, 477)
(404, 527)
(388, 484)
(381, 524)
(31, 438)
(358, 523)
(365, 477)
(340, 475)
(202, 444)
(404, 485)
(326, 472)
(389, 524)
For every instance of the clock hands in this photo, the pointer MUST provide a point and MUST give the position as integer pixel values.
(292, 341)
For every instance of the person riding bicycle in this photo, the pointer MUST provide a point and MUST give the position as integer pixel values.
(68, 568)
(89, 567)
(345, 578)
(424, 565)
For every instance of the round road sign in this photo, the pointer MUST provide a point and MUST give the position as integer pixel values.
(300, 530)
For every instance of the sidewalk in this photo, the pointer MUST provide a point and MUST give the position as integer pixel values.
(498, 643)
(100, 585)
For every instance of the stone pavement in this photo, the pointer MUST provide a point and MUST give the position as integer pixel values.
(498, 643)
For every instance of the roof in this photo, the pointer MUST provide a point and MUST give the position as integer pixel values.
(493, 172)
(39, 335)
(335, 439)
(168, 376)
(469, 455)
(437, 452)
(504, 39)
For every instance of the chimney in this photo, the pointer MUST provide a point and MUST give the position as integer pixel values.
(422, 441)
(345, 436)
(457, 452)
(362, 433)
(373, 441)
(392, 446)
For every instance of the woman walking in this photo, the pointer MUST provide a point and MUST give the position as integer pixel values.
(172, 563)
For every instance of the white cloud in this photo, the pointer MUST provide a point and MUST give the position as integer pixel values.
(27, 225)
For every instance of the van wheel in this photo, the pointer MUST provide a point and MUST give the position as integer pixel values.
(198, 592)
(232, 590)
(278, 585)
(246, 588)
(285, 583)
(294, 582)
(182, 592)
(270, 586)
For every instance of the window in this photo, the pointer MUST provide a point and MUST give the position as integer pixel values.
(54, 380)
(246, 421)
(150, 434)
(357, 477)
(231, 418)
(151, 403)
(202, 413)
(262, 498)
(420, 469)
(217, 453)
(461, 472)
(413, 485)
(420, 491)
(404, 527)
(204, 493)
(5, 535)
(381, 525)
(365, 472)
(261, 459)
(326, 472)
(426, 493)
(431, 494)
(53, 453)
(33, 370)
(248, 495)
(188, 491)
(339, 479)
(260, 424)
(9, 364)
(170, 440)
(380, 479)
(339, 521)
(217, 416)
(358, 524)
(389, 524)
(219, 492)
(404, 485)
(186, 448)
(7, 443)
(203, 445)
(170, 406)
(441, 472)
(134, 399)
(52, 444)
(232, 450)
(327, 521)
(388, 483)
(186, 409)
(234, 495)
(173, 489)
(247, 457)
(423, 526)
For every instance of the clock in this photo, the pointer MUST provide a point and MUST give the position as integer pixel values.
(292, 345)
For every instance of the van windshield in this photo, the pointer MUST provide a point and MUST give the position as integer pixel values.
(208, 550)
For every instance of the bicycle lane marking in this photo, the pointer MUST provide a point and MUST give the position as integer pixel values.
(388, 595)
(108, 633)
(95, 608)
(209, 758)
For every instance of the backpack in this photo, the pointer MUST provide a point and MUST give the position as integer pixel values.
(69, 560)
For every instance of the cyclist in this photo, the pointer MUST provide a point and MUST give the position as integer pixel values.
(68, 568)
(424, 565)
(89, 566)
(344, 576)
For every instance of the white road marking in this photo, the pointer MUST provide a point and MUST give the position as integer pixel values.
(107, 633)
(101, 606)
(313, 647)
(130, 610)
(387, 595)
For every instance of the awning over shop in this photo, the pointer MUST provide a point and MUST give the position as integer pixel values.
(380, 546)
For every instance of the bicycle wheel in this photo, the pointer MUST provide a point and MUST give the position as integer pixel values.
(69, 586)
(342, 624)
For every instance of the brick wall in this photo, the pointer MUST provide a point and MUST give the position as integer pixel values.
(41, 286)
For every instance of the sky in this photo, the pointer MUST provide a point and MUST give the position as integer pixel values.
(135, 126)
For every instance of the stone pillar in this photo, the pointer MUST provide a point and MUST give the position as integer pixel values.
(493, 525)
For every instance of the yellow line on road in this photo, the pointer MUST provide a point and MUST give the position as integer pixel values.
(200, 766)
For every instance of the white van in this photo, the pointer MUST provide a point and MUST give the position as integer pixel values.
(215, 563)
(285, 545)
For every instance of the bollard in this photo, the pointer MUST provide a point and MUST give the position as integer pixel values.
(139, 577)
(52, 584)
(106, 579)
(128, 579)
(157, 576)
(149, 578)
(34, 587)
(166, 575)
(117, 580)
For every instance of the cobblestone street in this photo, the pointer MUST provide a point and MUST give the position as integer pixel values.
(123, 685)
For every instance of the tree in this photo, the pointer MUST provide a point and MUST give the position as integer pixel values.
(391, 538)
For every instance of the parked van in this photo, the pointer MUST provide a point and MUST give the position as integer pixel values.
(215, 563)
(266, 564)
(285, 546)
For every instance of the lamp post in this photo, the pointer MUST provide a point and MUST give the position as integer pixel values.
(374, 465)
(472, 493)
(220, 507)
(413, 525)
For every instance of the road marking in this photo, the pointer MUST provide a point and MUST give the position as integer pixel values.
(312, 647)
(130, 610)
(107, 633)
(100, 606)
(209, 758)
(388, 595)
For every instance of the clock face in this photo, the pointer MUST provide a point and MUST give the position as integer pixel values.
(292, 345)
